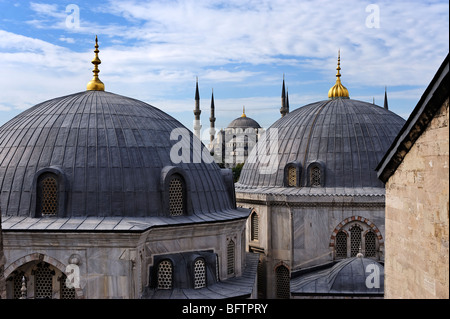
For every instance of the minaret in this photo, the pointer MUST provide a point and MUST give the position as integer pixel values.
(212, 120)
(95, 84)
(287, 100)
(283, 109)
(385, 99)
(197, 111)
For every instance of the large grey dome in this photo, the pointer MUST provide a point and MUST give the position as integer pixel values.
(344, 138)
(110, 153)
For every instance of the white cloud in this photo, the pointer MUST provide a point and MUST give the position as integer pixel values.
(166, 44)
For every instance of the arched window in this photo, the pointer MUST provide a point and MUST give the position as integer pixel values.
(341, 245)
(165, 270)
(47, 195)
(370, 244)
(282, 282)
(355, 240)
(315, 178)
(199, 274)
(177, 196)
(292, 176)
(254, 226)
(230, 257)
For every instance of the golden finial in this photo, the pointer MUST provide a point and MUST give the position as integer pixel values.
(95, 84)
(338, 90)
(243, 111)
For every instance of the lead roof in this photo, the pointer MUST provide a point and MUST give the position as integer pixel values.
(111, 149)
(348, 137)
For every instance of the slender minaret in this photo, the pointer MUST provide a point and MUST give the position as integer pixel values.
(197, 111)
(287, 100)
(212, 121)
(283, 109)
(385, 99)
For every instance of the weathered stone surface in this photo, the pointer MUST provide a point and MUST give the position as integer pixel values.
(417, 217)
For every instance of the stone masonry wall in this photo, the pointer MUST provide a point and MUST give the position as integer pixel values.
(417, 217)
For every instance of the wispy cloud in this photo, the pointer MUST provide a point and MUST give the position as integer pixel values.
(153, 50)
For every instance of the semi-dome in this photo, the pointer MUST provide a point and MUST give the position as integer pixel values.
(244, 122)
(110, 155)
(339, 141)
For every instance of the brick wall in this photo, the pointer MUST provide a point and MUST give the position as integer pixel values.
(417, 217)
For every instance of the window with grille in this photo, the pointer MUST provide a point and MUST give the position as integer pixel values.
(66, 292)
(292, 176)
(370, 244)
(355, 240)
(230, 257)
(17, 292)
(176, 196)
(43, 281)
(315, 176)
(341, 245)
(255, 226)
(47, 195)
(282, 282)
(165, 274)
(199, 274)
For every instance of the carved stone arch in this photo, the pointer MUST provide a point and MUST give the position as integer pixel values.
(40, 258)
(352, 219)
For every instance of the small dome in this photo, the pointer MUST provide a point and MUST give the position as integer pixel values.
(357, 275)
(244, 122)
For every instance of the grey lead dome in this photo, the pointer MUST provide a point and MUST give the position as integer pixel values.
(346, 138)
(110, 152)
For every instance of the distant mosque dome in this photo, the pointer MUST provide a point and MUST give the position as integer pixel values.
(244, 122)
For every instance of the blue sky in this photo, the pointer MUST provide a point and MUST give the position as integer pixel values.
(154, 50)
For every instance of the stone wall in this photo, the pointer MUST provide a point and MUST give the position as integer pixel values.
(417, 217)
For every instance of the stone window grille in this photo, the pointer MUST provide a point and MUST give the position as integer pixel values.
(370, 244)
(292, 176)
(230, 257)
(341, 245)
(255, 226)
(43, 281)
(176, 196)
(355, 240)
(282, 282)
(48, 195)
(66, 292)
(165, 270)
(199, 274)
(17, 285)
(315, 176)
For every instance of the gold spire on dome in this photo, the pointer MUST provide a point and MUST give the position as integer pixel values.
(95, 84)
(243, 111)
(338, 90)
